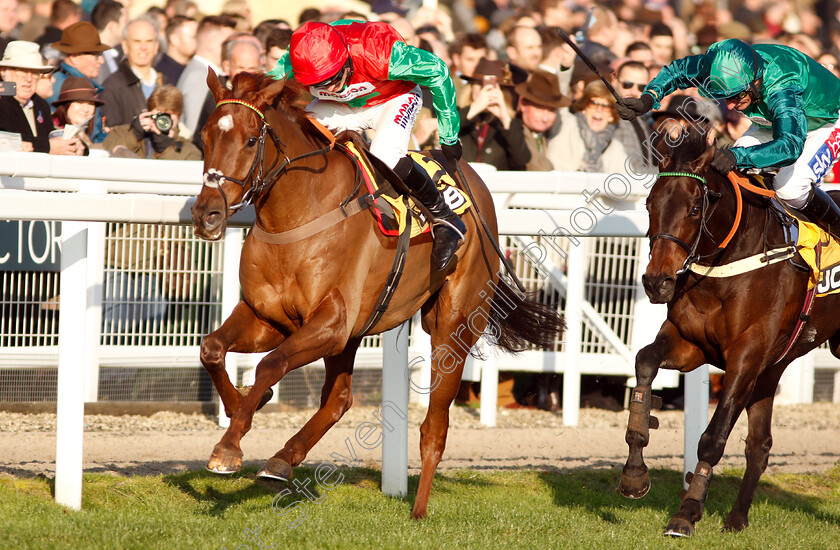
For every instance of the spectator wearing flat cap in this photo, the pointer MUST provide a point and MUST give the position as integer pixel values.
(26, 113)
(76, 105)
(82, 51)
(539, 101)
(490, 133)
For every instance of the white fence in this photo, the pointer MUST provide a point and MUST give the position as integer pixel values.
(542, 212)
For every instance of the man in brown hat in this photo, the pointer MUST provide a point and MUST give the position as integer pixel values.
(82, 51)
(27, 113)
(539, 99)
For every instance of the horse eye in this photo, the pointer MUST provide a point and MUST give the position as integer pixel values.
(251, 141)
(695, 209)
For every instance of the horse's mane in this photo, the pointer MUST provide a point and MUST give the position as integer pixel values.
(247, 85)
(690, 145)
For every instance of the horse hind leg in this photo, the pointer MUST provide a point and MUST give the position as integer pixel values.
(336, 399)
(667, 350)
(448, 356)
(759, 442)
(244, 332)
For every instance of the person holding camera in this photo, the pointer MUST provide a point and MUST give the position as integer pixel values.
(154, 133)
(490, 131)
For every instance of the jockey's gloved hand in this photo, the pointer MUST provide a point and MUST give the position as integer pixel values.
(724, 161)
(452, 152)
(631, 107)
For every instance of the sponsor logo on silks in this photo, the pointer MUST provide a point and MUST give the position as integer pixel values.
(407, 112)
(346, 95)
(826, 155)
(829, 279)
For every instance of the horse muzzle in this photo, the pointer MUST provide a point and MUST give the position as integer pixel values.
(208, 224)
(659, 288)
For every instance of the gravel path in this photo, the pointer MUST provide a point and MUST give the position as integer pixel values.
(806, 440)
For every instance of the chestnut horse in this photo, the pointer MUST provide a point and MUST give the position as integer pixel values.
(311, 298)
(743, 321)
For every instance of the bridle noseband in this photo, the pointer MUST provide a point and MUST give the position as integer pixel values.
(705, 213)
(258, 182)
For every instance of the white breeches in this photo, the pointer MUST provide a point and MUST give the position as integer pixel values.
(793, 182)
(392, 122)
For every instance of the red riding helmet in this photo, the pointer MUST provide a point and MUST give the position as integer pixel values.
(317, 52)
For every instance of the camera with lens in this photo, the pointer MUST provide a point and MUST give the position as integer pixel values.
(163, 122)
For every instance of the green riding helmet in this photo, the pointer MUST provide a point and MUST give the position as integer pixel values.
(732, 67)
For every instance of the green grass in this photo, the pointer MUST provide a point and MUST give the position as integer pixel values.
(469, 509)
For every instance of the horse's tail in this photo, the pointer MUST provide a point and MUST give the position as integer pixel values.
(517, 321)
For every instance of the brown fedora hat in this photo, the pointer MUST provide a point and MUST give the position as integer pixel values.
(75, 88)
(81, 37)
(543, 90)
(492, 69)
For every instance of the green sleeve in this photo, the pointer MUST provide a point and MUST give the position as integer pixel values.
(679, 75)
(790, 128)
(427, 69)
(282, 69)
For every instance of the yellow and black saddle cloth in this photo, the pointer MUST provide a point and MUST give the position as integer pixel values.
(389, 209)
(822, 254)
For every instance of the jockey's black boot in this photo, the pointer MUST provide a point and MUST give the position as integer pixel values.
(823, 211)
(448, 228)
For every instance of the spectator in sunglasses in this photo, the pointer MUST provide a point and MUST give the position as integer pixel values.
(793, 103)
(630, 80)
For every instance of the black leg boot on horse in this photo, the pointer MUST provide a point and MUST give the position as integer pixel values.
(821, 210)
(448, 229)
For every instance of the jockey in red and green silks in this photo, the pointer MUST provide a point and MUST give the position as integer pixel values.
(363, 75)
(793, 103)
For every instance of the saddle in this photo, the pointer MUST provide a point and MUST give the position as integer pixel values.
(388, 207)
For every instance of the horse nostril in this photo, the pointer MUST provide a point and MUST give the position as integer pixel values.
(213, 219)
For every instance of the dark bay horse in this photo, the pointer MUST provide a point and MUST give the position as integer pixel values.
(311, 298)
(742, 322)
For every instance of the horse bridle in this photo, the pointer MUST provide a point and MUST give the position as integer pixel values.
(259, 183)
(705, 213)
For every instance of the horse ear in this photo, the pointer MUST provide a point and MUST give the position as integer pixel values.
(270, 89)
(215, 85)
(701, 163)
(666, 164)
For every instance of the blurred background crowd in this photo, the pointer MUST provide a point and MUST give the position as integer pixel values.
(103, 77)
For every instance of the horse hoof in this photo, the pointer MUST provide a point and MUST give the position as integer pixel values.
(276, 468)
(224, 462)
(679, 527)
(266, 397)
(634, 486)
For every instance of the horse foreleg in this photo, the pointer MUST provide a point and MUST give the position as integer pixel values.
(668, 350)
(243, 332)
(336, 399)
(759, 442)
(738, 385)
(323, 333)
(447, 367)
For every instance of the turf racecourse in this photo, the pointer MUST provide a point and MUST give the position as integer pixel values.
(468, 509)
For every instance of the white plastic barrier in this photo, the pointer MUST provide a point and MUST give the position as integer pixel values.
(138, 193)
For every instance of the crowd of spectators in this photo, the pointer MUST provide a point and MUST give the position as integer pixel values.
(526, 102)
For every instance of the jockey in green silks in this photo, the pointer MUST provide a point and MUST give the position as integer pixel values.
(793, 103)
